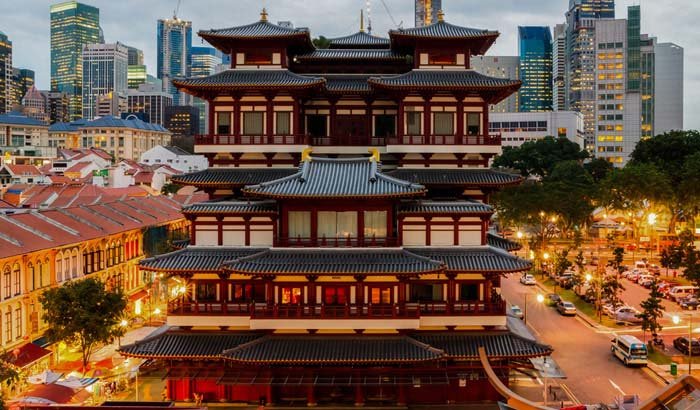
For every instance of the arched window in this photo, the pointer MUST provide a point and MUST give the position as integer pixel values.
(59, 268)
(17, 279)
(46, 273)
(120, 252)
(66, 266)
(8, 324)
(86, 262)
(38, 279)
(18, 321)
(32, 279)
(74, 264)
(6, 282)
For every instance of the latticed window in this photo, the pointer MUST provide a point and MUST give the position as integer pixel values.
(299, 224)
(375, 224)
(414, 123)
(283, 123)
(253, 123)
(444, 123)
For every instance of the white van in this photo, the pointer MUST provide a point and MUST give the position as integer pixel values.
(640, 265)
(629, 350)
(679, 292)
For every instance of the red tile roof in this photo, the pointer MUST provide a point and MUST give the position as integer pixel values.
(23, 170)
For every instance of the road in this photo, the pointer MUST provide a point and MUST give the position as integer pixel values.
(594, 375)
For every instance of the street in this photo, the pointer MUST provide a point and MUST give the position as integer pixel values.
(594, 375)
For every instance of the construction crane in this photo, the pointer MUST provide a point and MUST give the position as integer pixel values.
(177, 8)
(390, 15)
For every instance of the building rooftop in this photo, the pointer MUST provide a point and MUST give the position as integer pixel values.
(232, 177)
(361, 39)
(114, 122)
(17, 118)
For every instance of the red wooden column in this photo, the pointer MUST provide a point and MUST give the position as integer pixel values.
(269, 117)
(485, 127)
(427, 230)
(427, 118)
(400, 121)
(193, 230)
(236, 116)
(368, 120)
(451, 292)
(401, 401)
(312, 289)
(359, 391)
(246, 222)
(333, 119)
(455, 226)
(460, 117)
(310, 396)
(360, 290)
(220, 230)
(270, 290)
(212, 112)
(484, 231)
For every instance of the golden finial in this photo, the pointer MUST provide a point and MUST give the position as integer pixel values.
(306, 154)
(263, 15)
(441, 15)
(362, 20)
(375, 155)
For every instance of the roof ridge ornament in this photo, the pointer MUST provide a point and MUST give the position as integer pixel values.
(375, 154)
(362, 21)
(441, 16)
(263, 15)
(306, 154)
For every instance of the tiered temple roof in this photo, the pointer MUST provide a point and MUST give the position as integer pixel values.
(359, 40)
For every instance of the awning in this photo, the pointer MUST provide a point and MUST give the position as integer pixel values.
(29, 354)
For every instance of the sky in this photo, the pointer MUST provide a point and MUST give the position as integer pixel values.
(133, 22)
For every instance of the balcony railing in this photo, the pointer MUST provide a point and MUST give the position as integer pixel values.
(262, 310)
(337, 242)
(445, 140)
(301, 139)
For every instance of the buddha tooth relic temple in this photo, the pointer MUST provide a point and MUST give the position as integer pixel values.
(345, 256)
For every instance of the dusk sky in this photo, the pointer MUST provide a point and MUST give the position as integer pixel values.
(133, 22)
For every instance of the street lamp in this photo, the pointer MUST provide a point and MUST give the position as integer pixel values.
(589, 278)
(676, 320)
(539, 298)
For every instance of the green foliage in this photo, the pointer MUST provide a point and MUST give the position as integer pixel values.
(538, 158)
(630, 189)
(611, 288)
(170, 189)
(9, 374)
(652, 310)
(321, 42)
(598, 168)
(84, 313)
(619, 257)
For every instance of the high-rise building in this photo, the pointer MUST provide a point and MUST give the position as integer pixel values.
(58, 106)
(204, 63)
(135, 56)
(35, 104)
(112, 104)
(427, 12)
(22, 81)
(668, 88)
(559, 68)
(174, 55)
(73, 25)
(5, 73)
(150, 100)
(535, 49)
(182, 120)
(500, 67)
(104, 73)
(581, 21)
(136, 75)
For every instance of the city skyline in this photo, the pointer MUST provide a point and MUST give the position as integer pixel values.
(504, 17)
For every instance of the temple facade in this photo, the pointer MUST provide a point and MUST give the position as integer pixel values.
(346, 257)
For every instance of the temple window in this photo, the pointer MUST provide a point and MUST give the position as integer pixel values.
(299, 224)
(337, 224)
(290, 295)
(380, 295)
(384, 126)
(223, 123)
(206, 291)
(375, 224)
(468, 291)
(245, 292)
(335, 295)
(253, 123)
(443, 123)
(283, 123)
(473, 123)
(442, 59)
(317, 125)
(425, 292)
(414, 124)
(258, 58)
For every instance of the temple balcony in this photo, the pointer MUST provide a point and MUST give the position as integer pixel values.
(336, 242)
(408, 315)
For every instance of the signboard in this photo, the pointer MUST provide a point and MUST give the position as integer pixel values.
(644, 239)
(100, 173)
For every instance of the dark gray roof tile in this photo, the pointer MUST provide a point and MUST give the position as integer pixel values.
(245, 79)
(259, 29)
(188, 345)
(465, 345)
(456, 176)
(360, 39)
(439, 79)
(195, 259)
(232, 207)
(445, 207)
(502, 243)
(483, 259)
(443, 30)
(232, 177)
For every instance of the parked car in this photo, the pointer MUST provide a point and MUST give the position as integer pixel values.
(627, 315)
(646, 280)
(665, 288)
(609, 309)
(654, 269)
(689, 303)
(566, 308)
(678, 293)
(681, 344)
(528, 280)
(517, 312)
(553, 299)
(564, 277)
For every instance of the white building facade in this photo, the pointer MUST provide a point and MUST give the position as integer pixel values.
(176, 158)
(105, 68)
(668, 87)
(516, 128)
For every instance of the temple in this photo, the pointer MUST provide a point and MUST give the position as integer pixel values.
(346, 256)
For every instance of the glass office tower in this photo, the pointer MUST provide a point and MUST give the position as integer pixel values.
(535, 47)
(5, 73)
(174, 55)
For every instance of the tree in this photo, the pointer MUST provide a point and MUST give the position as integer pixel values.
(618, 258)
(570, 191)
(598, 168)
(84, 313)
(538, 158)
(8, 374)
(652, 310)
(170, 189)
(321, 42)
(610, 290)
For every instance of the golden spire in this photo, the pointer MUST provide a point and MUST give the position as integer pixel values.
(306, 154)
(362, 20)
(441, 15)
(263, 15)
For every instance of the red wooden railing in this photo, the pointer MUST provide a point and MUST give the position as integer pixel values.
(300, 139)
(336, 242)
(280, 311)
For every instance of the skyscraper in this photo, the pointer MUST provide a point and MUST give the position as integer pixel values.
(135, 56)
(559, 68)
(104, 73)
(204, 63)
(35, 104)
(5, 73)
(535, 48)
(174, 55)
(73, 25)
(668, 88)
(427, 12)
(22, 81)
(151, 101)
(580, 62)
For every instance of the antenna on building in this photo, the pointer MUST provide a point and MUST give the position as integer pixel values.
(362, 20)
(368, 6)
(177, 8)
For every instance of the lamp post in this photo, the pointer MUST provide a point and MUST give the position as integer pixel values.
(124, 323)
(676, 320)
(589, 278)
